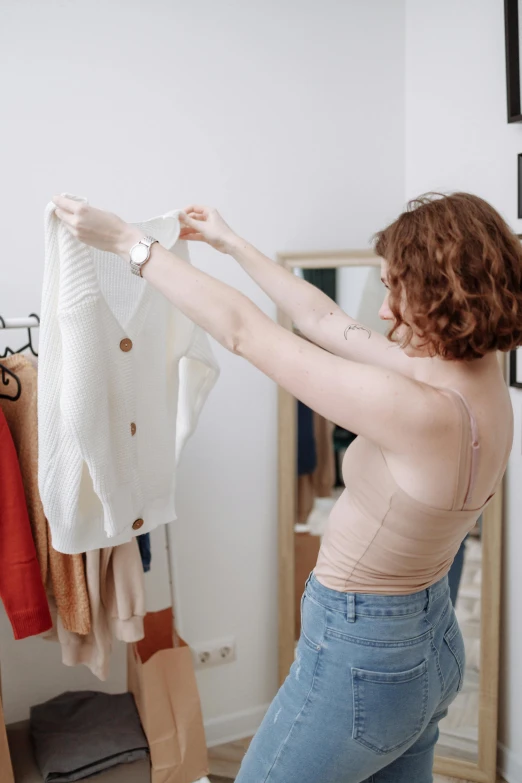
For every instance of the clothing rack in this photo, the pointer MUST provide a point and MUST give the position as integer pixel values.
(22, 739)
(30, 322)
(9, 381)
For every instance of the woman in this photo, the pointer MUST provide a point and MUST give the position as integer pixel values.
(381, 656)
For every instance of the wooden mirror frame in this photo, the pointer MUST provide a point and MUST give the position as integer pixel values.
(484, 771)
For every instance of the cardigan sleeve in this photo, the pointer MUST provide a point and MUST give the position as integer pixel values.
(198, 373)
(21, 587)
(60, 462)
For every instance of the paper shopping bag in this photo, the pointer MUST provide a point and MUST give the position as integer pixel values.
(160, 675)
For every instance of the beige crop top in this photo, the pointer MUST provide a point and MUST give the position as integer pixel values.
(379, 539)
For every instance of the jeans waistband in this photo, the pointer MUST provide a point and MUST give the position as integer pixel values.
(373, 604)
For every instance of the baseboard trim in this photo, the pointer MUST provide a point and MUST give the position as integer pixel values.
(509, 765)
(235, 726)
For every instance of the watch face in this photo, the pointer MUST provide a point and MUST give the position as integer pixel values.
(139, 254)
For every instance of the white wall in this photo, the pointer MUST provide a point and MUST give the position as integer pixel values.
(289, 117)
(350, 286)
(457, 138)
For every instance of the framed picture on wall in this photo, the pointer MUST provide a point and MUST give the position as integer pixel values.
(515, 368)
(512, 16)
(519, 175)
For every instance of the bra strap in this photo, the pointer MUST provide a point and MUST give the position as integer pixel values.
(471, 423)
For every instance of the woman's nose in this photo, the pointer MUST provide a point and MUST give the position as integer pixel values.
(385, 314)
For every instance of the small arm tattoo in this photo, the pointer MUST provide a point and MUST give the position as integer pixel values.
(358, 327)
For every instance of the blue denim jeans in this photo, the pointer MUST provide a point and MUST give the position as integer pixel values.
(373, 676)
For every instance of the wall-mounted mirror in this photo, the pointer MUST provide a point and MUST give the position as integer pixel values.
(310, 480)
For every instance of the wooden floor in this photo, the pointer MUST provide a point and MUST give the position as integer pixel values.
(225, 761)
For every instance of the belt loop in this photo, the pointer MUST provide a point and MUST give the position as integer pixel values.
(428, 599)
(350, 607)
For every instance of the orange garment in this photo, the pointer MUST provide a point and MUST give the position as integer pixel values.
(63, 575)
(379, 539)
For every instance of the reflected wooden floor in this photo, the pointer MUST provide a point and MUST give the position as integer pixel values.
(226, 759)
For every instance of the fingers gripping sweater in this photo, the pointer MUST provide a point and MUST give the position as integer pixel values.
(123, 376)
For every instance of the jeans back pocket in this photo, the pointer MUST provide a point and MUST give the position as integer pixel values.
(389, 707)
(312, 622)
(455, 643)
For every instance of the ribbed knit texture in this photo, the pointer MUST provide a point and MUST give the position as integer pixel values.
(21, 586)
(63, 575)
(96, 478)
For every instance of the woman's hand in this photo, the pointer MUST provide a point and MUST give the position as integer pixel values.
(94, 227)
(205, 224)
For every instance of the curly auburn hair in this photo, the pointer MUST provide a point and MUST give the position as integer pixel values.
(458, 267)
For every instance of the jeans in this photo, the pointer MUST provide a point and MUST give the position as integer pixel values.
(372, 678)
(455, 573)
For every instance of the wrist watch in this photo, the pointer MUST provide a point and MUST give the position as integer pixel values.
(140, 254)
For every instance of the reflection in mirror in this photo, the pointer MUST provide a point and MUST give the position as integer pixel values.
(321, 446)
(459, 730)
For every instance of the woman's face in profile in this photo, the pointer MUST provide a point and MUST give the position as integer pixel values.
(416, 348)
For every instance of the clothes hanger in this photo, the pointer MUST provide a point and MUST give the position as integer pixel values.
(9, 351)
(7, 375)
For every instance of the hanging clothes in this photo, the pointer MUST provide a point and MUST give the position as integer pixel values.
(323, 279)
(21, 586)
(306, 461)
(324, 474)
(145, 551)
(123, 376)
(320, 480)
(117, 598)
(326, 281)
(306, 452)
(63, 575)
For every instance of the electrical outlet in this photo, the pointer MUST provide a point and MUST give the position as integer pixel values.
(214, 653)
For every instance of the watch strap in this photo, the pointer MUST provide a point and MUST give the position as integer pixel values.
(136, 268)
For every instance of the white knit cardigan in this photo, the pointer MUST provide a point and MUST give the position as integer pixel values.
(122, 378)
